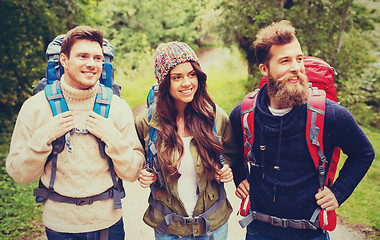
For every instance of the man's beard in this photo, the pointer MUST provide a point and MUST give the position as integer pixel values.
(289, 94)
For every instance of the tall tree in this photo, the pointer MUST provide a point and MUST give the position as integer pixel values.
(27, 27)
(333, 30)
(136, 27)
(317, 22)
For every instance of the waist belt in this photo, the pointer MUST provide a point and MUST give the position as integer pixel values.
(44, 193)
(313, 223)
(171, 216)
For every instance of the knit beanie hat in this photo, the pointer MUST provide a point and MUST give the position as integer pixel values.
(169, 55)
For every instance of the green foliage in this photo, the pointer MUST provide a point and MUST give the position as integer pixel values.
(27, 27)
(226, 76)
(361, 208)
(339, 31)
(134, 90)
(136, 28)
(19, 215)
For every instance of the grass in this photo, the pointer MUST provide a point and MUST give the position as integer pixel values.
(226, 75)
(135, 86)
(20, 216)
(362, 210)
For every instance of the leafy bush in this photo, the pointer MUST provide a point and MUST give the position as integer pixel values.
(19, 214)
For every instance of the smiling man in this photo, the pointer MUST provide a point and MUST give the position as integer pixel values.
(282, 183)
(81, 204)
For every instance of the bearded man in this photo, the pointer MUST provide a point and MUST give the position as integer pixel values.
(284, 183)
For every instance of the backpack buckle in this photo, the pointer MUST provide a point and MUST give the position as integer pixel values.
(191, 220)
(253, 164)
(83, 201)
(278, 222)
(309, 225)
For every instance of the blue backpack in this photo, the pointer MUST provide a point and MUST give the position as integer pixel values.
(152, 165)
(51, 85)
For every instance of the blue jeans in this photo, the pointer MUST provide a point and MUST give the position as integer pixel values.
(115, 232)
(219, 234)
(252, 236)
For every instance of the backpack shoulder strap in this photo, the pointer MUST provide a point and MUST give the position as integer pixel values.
(314, 138)
(55, 98)
(314, 131)
(247, 116)
(58, 104)
(151, 154)
(221, 157)
(103, 101)
(151, 98)
(102, 107)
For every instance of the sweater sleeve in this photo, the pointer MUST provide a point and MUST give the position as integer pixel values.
(227, 138)
(239, 168)
(122, 144)
(30, 143)
(142, 127)
(354, 143)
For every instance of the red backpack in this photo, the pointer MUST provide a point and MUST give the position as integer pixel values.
(321, 76)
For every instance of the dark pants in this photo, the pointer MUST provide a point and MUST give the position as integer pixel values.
(252, 235)
(115, 232)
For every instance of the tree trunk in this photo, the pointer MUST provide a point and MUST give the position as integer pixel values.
(280, 4)
(247, 46)
(341, 30)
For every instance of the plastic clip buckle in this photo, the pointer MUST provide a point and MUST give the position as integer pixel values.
(84, 201)
(190, 220)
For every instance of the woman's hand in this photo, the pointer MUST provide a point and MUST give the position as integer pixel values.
(147, 178)
(224, 174)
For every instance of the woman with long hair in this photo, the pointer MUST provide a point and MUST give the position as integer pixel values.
(194, 147)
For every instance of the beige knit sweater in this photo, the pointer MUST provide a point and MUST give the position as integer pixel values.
(83, 172)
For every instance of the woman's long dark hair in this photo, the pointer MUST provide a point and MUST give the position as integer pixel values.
(199, 119)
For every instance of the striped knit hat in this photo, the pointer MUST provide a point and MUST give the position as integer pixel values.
(169, 55)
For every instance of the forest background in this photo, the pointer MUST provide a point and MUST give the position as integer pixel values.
(345, 33)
